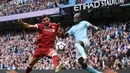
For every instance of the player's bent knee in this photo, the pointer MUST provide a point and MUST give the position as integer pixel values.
(54, 54)
(33, 61)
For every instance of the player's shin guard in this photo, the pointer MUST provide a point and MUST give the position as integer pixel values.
(55, 61)
(28, 69)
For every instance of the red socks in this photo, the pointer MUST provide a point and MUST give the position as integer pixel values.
(55, 61)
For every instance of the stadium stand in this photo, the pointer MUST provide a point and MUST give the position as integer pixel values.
(11, 7)
(22, 6)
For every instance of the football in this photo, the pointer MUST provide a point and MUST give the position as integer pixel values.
(60, 46)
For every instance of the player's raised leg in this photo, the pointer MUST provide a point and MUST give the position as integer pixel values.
(32, 62)
(36, 57)
(83, 57)
(52, 53)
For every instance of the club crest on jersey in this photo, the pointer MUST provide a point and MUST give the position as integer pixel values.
(49, 29)
(53, 26)
(53, 30)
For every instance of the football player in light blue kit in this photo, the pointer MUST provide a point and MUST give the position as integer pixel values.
(79, 31)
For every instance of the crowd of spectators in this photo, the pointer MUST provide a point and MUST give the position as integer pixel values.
(11, 7)
(110, 48)
(22, 6)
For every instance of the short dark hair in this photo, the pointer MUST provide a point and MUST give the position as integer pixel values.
(45, 15)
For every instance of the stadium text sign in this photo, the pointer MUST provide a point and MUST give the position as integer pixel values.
(97, 4)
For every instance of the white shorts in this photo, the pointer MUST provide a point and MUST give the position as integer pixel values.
(81, 51)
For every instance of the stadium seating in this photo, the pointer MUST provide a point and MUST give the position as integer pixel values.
(12, 7)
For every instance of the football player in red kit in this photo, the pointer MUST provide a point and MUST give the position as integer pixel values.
(45, 42)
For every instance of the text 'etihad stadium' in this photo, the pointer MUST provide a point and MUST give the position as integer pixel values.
(97, 4)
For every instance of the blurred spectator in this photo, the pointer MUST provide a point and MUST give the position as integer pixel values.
(128, 26)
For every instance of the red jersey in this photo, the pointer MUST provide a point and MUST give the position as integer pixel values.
(46, 36)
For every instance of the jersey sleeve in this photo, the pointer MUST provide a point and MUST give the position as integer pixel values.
(70, 31)
(56, 26)
(39, 26)
(87, 24)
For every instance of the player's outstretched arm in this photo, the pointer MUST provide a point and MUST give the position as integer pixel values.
(26, 25)
(95, 27)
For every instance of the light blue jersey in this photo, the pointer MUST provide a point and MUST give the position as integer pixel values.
(79, 31)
